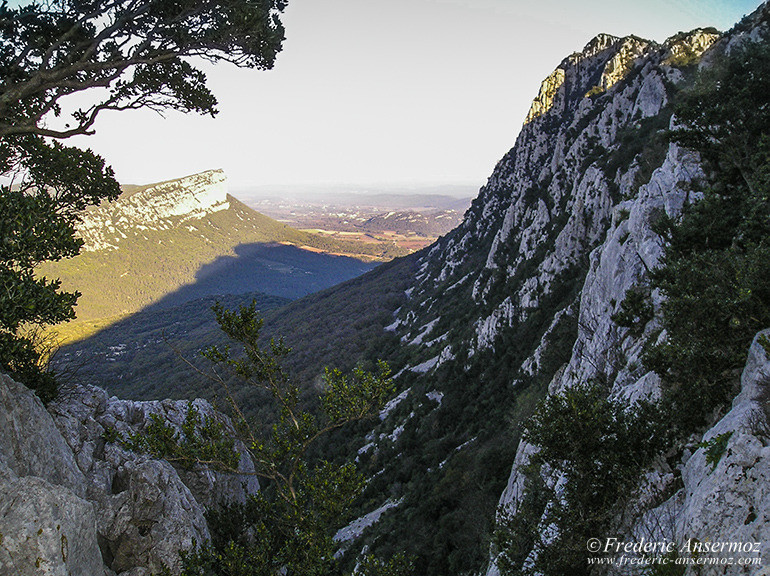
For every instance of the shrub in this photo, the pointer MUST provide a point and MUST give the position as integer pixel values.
(715, 448)
(635, 310)
(601, 446)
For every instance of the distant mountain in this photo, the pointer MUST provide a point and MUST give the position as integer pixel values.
(418, 201)
(520, 302)
(426, 215)
(419, 198)
(188, 238)
(422, 223)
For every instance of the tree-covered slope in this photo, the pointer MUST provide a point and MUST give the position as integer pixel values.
(493, 310)
(188, 238)
(142, 356)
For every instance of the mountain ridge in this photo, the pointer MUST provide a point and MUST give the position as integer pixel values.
(156, 239)
(518, 304)
(499, 310)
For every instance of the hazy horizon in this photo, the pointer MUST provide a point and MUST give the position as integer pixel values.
(400, 93)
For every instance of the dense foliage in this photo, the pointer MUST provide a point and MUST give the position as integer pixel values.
(124, 55)
(288, 526)
(601, 446)
(37, 227)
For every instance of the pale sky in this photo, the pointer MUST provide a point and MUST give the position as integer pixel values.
(378, 92)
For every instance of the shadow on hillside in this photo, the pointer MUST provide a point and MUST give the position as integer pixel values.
(134, 357)
(274, 269)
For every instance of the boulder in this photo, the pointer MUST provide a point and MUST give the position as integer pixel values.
(46, 529)
(31, 444)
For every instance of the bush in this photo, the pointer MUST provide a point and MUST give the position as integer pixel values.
(635, 310)
(715, 448)
(602, 447)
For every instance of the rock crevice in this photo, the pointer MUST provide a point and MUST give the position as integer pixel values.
(74, 503)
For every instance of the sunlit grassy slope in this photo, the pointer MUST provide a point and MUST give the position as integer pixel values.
(149, 264)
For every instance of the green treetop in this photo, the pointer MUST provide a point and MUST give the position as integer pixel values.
(121, 55)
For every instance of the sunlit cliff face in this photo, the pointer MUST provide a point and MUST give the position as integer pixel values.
(187, 198)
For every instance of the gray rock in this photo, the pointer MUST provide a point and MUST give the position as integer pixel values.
(728, 502)
(30, 443)
(148, 517)
(112, 510)
(87, 412)
(46, 529)
(623, 249)
(148, 511)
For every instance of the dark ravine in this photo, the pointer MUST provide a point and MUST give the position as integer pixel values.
(513, 305)
(518, 301)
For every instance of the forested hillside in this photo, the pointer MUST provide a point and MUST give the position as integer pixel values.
(529, 295)
(585, 358)
(176, 241)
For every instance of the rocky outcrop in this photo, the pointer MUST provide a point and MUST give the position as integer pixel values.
(688, 48)
(162, 206)
(723, 503)
(629, 251)
(46, 528)
(71, 496)
(583, 151)
(545, 97)
(30, 443)
(622, 62)
(727, 501)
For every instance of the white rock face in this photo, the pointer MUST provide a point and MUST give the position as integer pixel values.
(550, 200)
(620, 64)
(730, 501)
(30, 443)
(545, 97)
(130, 512)
(691, 45)
(356, 528)
(630, 249)
(161, 206)
(727, 503)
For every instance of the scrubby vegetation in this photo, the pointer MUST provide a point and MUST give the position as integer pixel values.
(289, 525)
(601, 446)
(715, 277)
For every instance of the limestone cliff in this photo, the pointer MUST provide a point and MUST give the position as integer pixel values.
(550, 201)
(685, 500)
(562, 229)
(156, 207)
